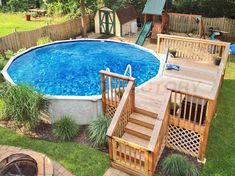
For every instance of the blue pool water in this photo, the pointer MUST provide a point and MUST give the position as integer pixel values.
(72, 68)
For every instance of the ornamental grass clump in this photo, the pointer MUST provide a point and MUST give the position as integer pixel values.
(178, 165)
(65, 129)
(98, 129)
(23, 105)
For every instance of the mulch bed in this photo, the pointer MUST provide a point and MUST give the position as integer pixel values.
(167, 152)
(44, 131)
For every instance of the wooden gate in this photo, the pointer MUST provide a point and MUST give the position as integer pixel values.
(107, 22)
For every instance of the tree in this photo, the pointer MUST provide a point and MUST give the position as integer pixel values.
(83, 18)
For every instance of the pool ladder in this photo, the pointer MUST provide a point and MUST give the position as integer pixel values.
(128, 68)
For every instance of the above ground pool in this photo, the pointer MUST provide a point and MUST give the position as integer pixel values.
(72, 68)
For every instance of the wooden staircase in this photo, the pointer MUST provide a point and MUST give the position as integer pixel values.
(137, 132)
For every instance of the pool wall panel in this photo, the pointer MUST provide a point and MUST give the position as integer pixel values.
(82, 111)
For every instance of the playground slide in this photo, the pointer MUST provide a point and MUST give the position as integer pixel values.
(143, 33)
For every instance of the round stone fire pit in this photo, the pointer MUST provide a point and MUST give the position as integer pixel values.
(24, 162)
(18, 164)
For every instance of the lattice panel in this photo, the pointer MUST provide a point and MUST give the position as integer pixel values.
(110, 111)
(183, 140)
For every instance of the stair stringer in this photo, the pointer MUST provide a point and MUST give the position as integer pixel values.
(159, 135)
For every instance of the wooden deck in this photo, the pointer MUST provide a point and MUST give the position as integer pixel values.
(173, 110)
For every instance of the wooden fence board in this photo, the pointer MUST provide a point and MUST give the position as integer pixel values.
(186, 24)
(27, 39)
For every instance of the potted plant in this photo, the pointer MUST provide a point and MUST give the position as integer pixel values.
(216, 59)
(27, 16)
(172, 52)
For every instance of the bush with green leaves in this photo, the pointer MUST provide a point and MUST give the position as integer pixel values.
(98, 129)
(9, 53)
(178, 165)
(43, 40)
(3, 62)
(23, 105)
(65, 129)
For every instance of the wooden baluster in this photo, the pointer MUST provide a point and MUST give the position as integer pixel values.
(135, 157)
(114, 150)
(111, 90)
(119, 91)
(140, 159)
(115, 92)
(123, 89)
(195, 114)
(125, 152)
(201, 114)
(190, 110)
(108, 87)
(121, 149)
(180, 106)
(129, 155)
(174, 110)
(185, 108)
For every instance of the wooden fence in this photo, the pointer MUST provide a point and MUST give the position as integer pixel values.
(187, 24)
(27, 39)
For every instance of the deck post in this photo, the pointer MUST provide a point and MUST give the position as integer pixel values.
(151, 163)
(133, 97)
(110, 149)
(158, 44)
(205, 134)
(103, 93)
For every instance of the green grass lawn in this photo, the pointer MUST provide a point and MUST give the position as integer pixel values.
(220, 152)
(10, 22)
(80, 159)
(85, 161)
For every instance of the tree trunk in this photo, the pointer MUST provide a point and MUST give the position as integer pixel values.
(83, 18)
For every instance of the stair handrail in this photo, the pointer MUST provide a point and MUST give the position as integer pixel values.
(162, 116)
(124, 100)
(128, 67)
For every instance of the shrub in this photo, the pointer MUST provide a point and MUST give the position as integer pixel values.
(98, 129)
(2, 109)
(65, 129)
(178, 165)
(43, 40)
(9, 53)
(3, 62)
(23, 105)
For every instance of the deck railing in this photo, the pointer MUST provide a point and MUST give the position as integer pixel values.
(113, 89)
(191, 113)
(127, 154)
(190, 48)
(183, 122)
(130, 155)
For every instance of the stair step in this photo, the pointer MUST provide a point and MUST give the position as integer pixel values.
(138, 130)
(143, 120)
(148, 103)
(135, 139)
